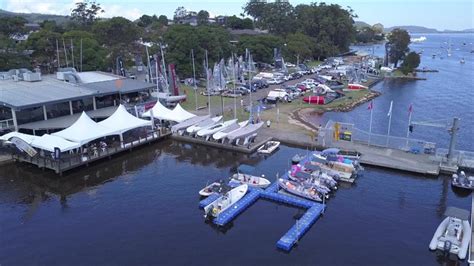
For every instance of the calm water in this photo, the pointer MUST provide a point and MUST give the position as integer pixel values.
(443, 95)
(141, 207)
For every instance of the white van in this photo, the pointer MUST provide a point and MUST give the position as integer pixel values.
(278, 95)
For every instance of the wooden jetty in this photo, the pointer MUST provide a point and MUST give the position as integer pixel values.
(251, 148)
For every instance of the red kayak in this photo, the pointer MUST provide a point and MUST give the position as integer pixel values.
(314, 99)
(354, 86)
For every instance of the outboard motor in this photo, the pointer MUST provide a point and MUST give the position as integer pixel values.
(447, 246)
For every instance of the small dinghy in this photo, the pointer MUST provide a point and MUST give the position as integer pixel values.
(453, 234)
(299, 189)
(268, 147)
(245, 175)
(225, 201)
(203, 124)
(206, 132)
(221, 135)
(216, 187)
(463, 181)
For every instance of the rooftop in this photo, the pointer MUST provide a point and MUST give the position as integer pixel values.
(24, 94)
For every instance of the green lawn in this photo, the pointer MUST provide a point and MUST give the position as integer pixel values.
(340, 102)
(314, 63)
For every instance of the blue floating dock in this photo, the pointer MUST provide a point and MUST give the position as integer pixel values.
(229, 214)
(287, 199)
(203, 203)
(302, 225)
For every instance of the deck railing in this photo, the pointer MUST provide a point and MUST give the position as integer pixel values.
(70, 161)
(7, 123)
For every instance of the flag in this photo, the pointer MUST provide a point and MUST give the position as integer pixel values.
(390, 110)
(410, 108)
(371, 105)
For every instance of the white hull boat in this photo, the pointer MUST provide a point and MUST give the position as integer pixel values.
(216, 187)
(453, 234)
(203, 124)
(268, 147)
(254, 181)
(216, 128)
(187, 123)
(223, 133)
(225, 201)
(244, 132)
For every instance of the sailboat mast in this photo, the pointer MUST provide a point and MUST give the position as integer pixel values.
(57, 53)
(148, 64)
(235, 98)
(250, 82)
(65, 54)
(81, 54)
(164, 65)
(208, 91)
(194, 79)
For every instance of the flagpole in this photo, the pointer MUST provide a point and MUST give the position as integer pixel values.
(370, 123)
(389, 122)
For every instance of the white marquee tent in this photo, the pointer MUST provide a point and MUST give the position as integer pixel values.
(84, 130)
(121, 120)
(181, 114)
(46, 142)
(178, 114)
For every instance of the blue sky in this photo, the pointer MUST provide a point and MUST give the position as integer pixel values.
(447, 14)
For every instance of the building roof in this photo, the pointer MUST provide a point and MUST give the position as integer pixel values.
(117, 85)
(23, 94)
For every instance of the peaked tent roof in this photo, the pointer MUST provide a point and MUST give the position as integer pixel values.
(181, 114)
(84, 130)
(159, 111)
(121, 120)
(26, 137)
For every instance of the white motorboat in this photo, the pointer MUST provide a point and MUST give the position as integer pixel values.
(216, 128)
(454, 233)
(187, 123)
(215, 187)
(245, 175)
(223, 133)
(244, 132)
(225, 201)
(463, 181)
(268, 147)
(203, 124)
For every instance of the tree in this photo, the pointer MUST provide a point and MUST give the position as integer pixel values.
(398, 42)
(237, 23)
(86, 12)
(410, 63)
(182, 38)
(180, 13)
(278, 18)
(299, 46)
(163, 20)
(365, 35)
(118, 35)
(378, 28)
(43, 44)
(12, 26)
(93, 54)
(261, 46)
(203, 17)
(255, 9)
(145, 21)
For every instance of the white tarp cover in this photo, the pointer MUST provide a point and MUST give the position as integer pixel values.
(84, 130)
(48, 143)
(180, 114)
(121, 120)
(26, 137)
(159, 112)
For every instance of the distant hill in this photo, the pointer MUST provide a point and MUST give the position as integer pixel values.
(414, 29)
(35, 17)
(361, 24)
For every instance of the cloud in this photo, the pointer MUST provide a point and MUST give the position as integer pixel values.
(121, 11)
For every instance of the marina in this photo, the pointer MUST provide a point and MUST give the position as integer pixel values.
(145, 199)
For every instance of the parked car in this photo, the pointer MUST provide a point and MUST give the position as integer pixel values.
(242, 90)
(260, 83)
(278, 95)
(274, 81)
(296, 75)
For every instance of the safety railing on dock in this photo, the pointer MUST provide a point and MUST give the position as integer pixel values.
(69, 161)
(464, 159)
(349, 133)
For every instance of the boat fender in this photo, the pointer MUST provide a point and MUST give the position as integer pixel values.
(447, 246)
